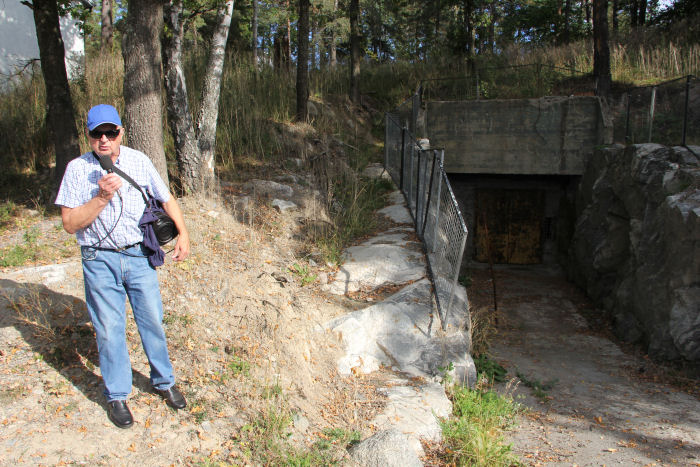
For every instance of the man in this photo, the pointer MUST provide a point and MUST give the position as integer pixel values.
(104, 211)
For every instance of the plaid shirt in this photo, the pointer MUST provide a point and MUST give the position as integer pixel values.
(117, 225)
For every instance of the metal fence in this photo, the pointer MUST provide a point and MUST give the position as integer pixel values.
(419, 174)
(665, 113)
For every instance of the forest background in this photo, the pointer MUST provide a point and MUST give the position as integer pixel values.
(232, 75)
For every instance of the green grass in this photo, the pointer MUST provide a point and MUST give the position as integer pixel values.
(538, 387)
(355, 200)
(473, 434)
(492, 370)
(302, 271)
(266, 441)
(19, 255)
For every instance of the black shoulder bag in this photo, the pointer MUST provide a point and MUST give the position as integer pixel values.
(163, 226)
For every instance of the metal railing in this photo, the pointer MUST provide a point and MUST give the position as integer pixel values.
(419, 174)
(664, 113)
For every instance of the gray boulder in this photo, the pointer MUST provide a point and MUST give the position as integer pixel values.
(636, 244)
(388, 448)
(269, 188)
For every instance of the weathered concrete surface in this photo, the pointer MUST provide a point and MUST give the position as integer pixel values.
(636, 245)
(396, 209)
(414, 410)
(390, 258)
(387, 448)
(402, 332)
(550, 135)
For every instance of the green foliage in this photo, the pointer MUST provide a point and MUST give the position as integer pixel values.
(472, 436)
(355, 200)
(265, 441)
(539, 388)
(493, 371)
(19, 255)
(8, 212)
(302, 271)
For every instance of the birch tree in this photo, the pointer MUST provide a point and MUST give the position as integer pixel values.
(195, 141)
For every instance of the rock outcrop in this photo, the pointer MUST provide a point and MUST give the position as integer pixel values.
(636, 244)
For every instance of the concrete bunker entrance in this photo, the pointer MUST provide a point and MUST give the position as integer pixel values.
(514, 166)
(515, 219)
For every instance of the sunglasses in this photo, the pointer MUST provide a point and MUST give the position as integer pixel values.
(97, 134)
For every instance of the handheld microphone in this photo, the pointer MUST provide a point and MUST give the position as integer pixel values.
(106, 163)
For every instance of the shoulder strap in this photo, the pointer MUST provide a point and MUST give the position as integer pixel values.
(127, 178)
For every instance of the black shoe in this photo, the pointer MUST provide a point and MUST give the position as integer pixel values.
(120, 414)
(173, 397)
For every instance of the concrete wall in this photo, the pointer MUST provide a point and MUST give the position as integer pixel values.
(18, 44)
(546, 136)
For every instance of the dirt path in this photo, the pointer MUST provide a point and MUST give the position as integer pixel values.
(596, 404)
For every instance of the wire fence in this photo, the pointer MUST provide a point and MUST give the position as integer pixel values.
(666, 113)
(420, 175)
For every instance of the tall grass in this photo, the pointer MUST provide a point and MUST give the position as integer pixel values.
(473, 435)
(257, 104)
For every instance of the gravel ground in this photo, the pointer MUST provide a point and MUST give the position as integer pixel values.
(599, 402)
(243, 334)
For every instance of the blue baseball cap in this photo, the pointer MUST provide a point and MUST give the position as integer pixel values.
(101, 114)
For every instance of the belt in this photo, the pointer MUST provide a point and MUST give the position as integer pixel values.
(121, 248)
(127, 247)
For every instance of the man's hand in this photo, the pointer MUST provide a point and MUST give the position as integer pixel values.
(80, 217)
(182, 247)
(109, 184)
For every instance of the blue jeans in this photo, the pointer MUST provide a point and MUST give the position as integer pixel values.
(110, 276)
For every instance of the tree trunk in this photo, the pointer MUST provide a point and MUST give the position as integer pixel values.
(314, 45)
(492, 25)
(469, 27)
(587, 7)
(195, 151)
(107, 26)
(332, 55)
(209, 113)
(642, 15)
(303, 61)
(254, 28)
(354, 13)
(60, 116)
(143, 113)
(179, 117)
(287, 44)
(634, 8)
(601, 53)
(567, 21)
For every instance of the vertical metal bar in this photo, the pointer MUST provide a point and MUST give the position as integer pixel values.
(651, 111)
(430, 194)
(409, 193)
(417, 216)
(685, 112)
(386, 142)
(415, 104)
(627, 122)
(403, 153)
(439, 194)
(477, 84)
